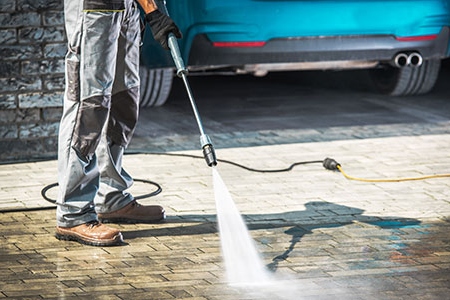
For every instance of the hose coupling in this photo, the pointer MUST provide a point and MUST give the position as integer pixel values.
(331, 164)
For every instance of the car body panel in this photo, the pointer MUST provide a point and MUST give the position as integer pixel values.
(300, 31)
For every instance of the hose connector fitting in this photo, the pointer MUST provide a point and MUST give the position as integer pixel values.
(331, 164)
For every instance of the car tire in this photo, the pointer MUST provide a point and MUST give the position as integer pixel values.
(155, 86)
(407, 80)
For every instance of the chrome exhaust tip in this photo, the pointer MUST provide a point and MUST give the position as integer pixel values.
(401, 60)
(415, 60)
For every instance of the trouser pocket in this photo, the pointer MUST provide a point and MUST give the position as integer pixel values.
(73, 80)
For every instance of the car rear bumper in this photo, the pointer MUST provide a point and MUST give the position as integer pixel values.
(378, 48)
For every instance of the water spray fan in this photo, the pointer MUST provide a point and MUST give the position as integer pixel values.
(205, 141)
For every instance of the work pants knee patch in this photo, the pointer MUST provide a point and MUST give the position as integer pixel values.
(91, 120)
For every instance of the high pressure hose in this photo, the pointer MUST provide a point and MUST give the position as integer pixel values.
(327, 163)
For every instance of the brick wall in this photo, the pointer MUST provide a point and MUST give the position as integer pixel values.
(32, 47)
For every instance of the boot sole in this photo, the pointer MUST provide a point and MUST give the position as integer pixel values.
(115, 241)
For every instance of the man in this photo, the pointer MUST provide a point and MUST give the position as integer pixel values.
(100, 113)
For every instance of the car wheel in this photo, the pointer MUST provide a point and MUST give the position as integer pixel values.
(155, 86)
(407, 80)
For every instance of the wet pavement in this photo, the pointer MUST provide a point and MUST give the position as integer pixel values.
(332, 237)
(325, 236)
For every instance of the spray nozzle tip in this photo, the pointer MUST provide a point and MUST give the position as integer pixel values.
(210, 155)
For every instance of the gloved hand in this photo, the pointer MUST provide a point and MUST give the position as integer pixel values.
(161, 25)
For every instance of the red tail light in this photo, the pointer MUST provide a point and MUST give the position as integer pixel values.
(417, 38)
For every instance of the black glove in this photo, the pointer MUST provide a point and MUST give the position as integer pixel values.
(161, 25)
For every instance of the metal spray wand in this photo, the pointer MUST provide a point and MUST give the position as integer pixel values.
(205, 141)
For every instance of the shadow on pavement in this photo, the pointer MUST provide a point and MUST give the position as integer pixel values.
(301, 223)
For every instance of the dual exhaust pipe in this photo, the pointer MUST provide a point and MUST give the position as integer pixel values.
(413, 59)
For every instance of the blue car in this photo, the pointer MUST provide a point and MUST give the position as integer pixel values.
(400, 42)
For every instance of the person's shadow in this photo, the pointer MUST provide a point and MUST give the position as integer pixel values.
(327, 214)
(344, 215)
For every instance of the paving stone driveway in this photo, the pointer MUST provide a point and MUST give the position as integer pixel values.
(331, 237)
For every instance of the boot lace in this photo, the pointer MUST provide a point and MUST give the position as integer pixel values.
(93, 224)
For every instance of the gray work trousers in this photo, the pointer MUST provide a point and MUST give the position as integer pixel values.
(100, 112)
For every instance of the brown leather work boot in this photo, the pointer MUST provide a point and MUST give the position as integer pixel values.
(93, 233)
(134, 213)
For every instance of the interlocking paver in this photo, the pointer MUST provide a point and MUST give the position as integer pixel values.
(334, 238)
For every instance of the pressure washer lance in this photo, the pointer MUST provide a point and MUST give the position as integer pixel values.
(205, 141)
